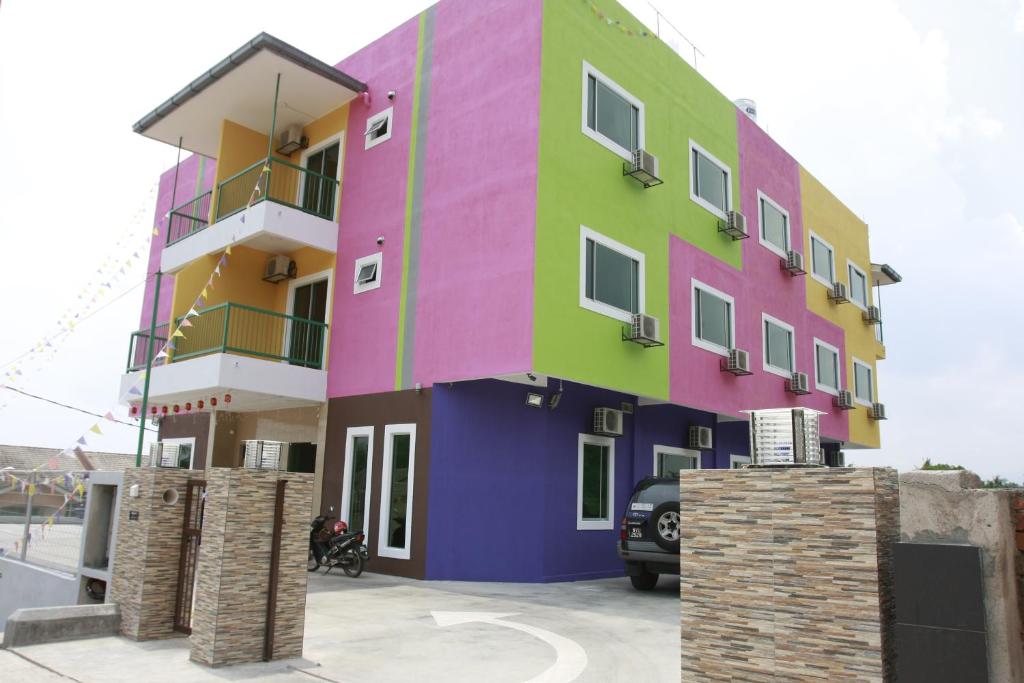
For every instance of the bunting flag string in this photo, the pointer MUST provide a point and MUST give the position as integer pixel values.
(623, 28)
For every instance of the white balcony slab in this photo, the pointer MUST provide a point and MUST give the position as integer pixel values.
(267, 226)
(254, 383)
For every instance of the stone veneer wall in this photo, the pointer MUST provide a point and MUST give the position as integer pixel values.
(144, 580)
(229, 619)
(786, 574)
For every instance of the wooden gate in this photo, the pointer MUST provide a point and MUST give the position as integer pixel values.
(191, 536)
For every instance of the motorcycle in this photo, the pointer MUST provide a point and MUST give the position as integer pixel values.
(342, 548)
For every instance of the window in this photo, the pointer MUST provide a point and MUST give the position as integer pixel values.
(318, 193)
(355, 487)
(713, 319)
(378, 128)
(823, 261)
(709, 181)
(826, 367)
(738, 461)
(594, 492)
(863, 389)
(668, 461)
(367, 273)
(397, 474)
(185, 451)
(774, 225)
(611, 116)
(779, 346)
(611, 276)
(858, 285)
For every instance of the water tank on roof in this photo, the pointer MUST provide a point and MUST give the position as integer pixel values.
(748, 107)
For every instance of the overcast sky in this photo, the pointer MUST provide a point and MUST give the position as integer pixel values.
(909, 111)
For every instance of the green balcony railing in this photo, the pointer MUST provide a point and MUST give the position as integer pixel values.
(245, 330)
(139, 344)
(189, 218)
(285, 183)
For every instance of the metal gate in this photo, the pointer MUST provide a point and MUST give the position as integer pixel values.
(191, 536)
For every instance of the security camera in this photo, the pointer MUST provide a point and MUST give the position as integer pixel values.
(380, 240)
(391, 94)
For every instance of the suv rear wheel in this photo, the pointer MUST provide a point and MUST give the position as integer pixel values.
(665, 519)
(644, 582)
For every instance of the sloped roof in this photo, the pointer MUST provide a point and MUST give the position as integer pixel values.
(33, 457)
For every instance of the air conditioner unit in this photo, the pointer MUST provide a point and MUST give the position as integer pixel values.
(643, 168)
(794, 263)
(798, 383)
(163, 454)
(700, 438)
(738, 362)
(872, 315)
(734, 225)
(644, 330)
(279, 268)
(607, 422)
(263, 455)
(291, 139)
(877, 411)
(838, 294)
(844, 400)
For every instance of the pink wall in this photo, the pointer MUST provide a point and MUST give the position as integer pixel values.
(696, 378)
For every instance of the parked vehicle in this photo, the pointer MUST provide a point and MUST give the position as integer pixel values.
(649, 534)
(342, 548)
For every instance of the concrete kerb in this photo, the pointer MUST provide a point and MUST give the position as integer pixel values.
(35, 625)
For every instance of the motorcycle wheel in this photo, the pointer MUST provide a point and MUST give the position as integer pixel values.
(312, 564)
(353, 564)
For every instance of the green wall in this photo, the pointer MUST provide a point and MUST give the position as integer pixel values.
(581, 182)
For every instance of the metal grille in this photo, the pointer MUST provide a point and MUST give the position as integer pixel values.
(191, 537)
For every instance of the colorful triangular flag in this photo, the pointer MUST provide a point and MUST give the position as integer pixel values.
(95, 429)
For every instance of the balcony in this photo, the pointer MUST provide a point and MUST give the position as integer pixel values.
(264, 359)
(272, 205)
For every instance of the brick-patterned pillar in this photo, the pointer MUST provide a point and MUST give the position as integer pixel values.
(229, 618)
(786, 574)
(145, 575)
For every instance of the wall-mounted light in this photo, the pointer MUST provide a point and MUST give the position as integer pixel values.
(534, 400)
(555, 399)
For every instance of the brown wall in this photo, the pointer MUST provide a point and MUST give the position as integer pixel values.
(183, 427)
(379, 410)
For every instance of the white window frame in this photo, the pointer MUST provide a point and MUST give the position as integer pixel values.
(346, 480)
(762, 197)
(851, 266)
(595, 524)
(377, 258)
(839, 368)
(735, 459)
(289, 309)
(606, 142)
(388, 114)
(313, 149)
(185, 440)
(674, 450)
(383, 549)
(768, 367)
(599, 306)
(832, 257)
(871, 375)
(695, 337)
(693, 180)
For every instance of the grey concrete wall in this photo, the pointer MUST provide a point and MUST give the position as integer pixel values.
(947, 507)
(26, 585)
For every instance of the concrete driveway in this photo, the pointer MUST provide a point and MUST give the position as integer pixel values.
(382, 628)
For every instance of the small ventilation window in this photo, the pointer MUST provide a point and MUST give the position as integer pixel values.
(367, 273)
(378, 128)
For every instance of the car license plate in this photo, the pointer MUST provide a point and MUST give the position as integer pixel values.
(646, 507)
(636, 532)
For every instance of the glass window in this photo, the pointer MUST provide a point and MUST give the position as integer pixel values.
(670, 463)
(399, 490)
(612, 115)
(826, 367)
(596, 465)
(858, 286)
(738, 461)
(357, 486)
(710, 181)
(862, 382)
(184, 456)
(397, 472)
(778, 346)
(822, 260)
(774, 225)
(713, 321)
(612, 278)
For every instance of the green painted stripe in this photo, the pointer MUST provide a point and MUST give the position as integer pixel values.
(413, 206)
(199, 177)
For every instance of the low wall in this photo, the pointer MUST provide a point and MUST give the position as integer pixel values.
(26, 585)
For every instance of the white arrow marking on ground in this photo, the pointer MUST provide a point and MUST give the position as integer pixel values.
(570, 658)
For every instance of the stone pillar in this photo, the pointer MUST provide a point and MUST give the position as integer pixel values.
(230, 614)
(144, 580)
(786, 574)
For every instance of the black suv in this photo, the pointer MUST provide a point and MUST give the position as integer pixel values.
(649, 535)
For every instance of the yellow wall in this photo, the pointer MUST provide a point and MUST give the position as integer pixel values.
(831, 220)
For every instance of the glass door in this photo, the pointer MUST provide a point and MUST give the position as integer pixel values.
(317, 193)
(306, 341)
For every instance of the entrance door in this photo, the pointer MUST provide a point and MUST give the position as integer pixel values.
(317, 193)
(306, 341)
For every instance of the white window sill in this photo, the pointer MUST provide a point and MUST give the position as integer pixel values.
(862, 402)
(607, 143)
(826, 389)
(820, 279)
(774, 248)
(606, 310)
(393, 553)
(710, 346)
(781, 372)
(594, 525)
(700, 201)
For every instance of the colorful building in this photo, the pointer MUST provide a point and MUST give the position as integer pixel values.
(426, 282)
